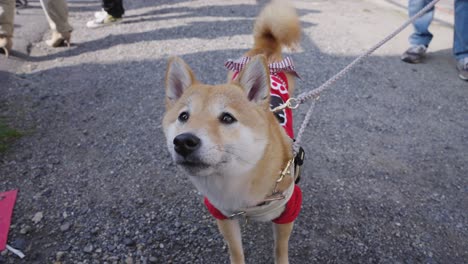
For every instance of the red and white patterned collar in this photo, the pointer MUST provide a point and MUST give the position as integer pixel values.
(285, 65)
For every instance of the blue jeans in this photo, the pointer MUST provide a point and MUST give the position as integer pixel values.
(460, 36)
(422, 36)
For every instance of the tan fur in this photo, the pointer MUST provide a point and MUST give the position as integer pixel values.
(236, 164)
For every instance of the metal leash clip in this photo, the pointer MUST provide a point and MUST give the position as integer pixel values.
(291, 103)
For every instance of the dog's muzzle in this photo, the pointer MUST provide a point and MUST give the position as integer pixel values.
(186, 143)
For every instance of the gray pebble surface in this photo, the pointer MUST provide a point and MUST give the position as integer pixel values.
(385, 178)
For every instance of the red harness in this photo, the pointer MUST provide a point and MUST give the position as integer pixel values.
(290, 213)
(279, 94)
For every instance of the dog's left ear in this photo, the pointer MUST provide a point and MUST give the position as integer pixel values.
(255, 80)
(179, 77)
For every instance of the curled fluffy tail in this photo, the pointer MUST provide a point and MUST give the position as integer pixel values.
(277, 26)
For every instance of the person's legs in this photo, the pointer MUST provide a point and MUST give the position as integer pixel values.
(421, 34)
(7, 15)
(56, 12)
(113, 7)
(57, 15)
(112, 14)
(421, 37)
(460, 38)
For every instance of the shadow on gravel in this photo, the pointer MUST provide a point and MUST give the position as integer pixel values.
(241, 23)
(151, 3)
(247, 11)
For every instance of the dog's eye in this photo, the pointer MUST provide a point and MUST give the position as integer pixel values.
(184, 116)
(227, 118)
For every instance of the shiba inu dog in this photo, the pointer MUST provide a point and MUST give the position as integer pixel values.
(229, 142)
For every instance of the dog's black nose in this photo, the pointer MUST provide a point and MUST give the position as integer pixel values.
(186, 143)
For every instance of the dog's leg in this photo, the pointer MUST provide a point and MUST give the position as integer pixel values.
(282, 233)
(232, 235)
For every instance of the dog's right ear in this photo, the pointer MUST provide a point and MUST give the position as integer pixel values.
(255, 80)
(179, 77)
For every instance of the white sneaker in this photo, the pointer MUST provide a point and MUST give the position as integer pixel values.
(462, 66)
(106, 20)
(415, 54)
(100, 15)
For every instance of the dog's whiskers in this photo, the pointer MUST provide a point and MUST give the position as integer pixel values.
(232, 153)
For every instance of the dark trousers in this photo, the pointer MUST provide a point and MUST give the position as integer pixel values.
(113, 7)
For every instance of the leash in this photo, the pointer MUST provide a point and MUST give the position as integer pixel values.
(277, 200)
(314, 94)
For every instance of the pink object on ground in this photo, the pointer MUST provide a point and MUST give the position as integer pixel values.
(7, 202)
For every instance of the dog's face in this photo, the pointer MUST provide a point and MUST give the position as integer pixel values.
(216, 129)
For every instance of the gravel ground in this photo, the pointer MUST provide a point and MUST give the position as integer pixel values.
(385, 179)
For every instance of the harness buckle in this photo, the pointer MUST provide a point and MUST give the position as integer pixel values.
(298, 162)
(285, 171)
